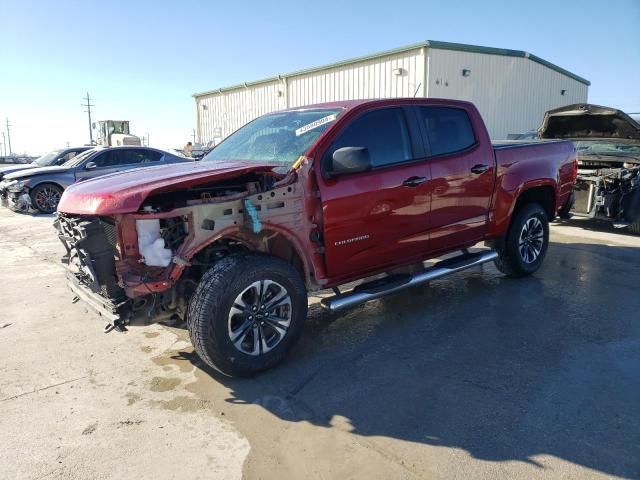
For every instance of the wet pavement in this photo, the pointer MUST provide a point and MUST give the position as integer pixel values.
(475, 376)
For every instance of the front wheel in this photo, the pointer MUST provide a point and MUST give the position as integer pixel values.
(246, 313)
(526, 243)
(46, 197)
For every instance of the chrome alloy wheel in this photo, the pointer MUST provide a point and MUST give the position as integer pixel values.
(260, 317)
(531, 240)
(47, 198)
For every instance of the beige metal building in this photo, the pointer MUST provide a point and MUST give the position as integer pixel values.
(511, 88)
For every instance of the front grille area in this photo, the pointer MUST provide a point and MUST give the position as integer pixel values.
(91, 253)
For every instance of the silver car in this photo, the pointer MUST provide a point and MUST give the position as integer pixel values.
(41, 188)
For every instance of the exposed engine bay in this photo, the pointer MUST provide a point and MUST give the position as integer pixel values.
(607, 142)
(610, 193)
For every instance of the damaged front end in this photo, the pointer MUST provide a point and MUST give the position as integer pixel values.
(609, 193)
(607, 143)
(14, 195)
(139, 268)
(94, 258)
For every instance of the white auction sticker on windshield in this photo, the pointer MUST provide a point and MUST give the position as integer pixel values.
(315, 124)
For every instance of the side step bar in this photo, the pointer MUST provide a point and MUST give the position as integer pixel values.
(395, 283)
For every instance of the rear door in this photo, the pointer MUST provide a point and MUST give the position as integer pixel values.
(136, 158)
(380, 217)
(462, 175)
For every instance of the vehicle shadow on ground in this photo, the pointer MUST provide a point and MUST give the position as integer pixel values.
(594, 225)
(505, 369)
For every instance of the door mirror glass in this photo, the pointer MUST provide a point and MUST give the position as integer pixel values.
(347, 160)
(90, 166)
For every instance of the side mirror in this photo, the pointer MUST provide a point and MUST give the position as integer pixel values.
(90, 166)
(347, 160)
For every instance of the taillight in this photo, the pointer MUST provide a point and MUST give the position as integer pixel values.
(574, 170)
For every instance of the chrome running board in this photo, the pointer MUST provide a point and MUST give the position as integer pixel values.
(394, 283)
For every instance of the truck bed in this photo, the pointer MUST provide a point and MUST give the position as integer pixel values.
(504, 144)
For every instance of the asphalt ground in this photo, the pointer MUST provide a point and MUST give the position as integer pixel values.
(474, 376)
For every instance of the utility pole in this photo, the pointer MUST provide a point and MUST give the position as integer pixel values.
(88, 110)
(8, 137)
(193, 134)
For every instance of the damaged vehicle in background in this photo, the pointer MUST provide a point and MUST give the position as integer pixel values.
(41, 188)
(304, 200)
(607, 142)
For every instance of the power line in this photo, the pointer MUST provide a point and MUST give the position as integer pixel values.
(9, 137)
(88, 105)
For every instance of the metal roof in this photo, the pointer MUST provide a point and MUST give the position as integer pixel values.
(461, 47)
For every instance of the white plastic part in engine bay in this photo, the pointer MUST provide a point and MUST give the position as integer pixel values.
(151, 244)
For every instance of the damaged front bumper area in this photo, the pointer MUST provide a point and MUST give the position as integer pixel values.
(17, 199)
(90, 260)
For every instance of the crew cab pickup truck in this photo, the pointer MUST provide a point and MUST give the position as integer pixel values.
(304, 200)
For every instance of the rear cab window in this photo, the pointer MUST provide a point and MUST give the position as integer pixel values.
(383, 132)
(448, 129)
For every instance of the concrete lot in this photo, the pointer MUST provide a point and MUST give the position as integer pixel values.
(477, 376)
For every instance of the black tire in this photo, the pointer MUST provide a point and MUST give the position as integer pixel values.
(565, 211)
(515, 261)
(45, 197)
(211, 321)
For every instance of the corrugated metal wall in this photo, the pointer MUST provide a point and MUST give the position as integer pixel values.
(399, 75)
(374, 78)
(229, 110)
(512, 93)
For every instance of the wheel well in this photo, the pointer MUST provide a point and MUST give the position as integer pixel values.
(267, 241)
(46, 183)
(543, 195)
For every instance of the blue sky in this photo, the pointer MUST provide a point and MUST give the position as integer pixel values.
(142, 60)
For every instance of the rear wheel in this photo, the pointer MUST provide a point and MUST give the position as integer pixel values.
(526, 243)
(46, 197)
(246, 313)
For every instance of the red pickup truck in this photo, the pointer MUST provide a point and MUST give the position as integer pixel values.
(303, 200)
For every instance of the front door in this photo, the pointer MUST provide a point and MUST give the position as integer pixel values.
(380, 217)
(100, 164)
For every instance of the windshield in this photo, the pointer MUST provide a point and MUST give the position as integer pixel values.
(78, 159)
(275, 138)
(46, 159)
(606, 148)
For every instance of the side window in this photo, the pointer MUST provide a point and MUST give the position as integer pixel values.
(130, 156)
(383, 132)
(140, 156)
(107, 159)
(65, 158)
(449, 129)
(150, 156)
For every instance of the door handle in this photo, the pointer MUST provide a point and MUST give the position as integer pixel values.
(478, 169)
(414, 181)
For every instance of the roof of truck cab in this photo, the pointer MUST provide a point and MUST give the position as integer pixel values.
(349, 104)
